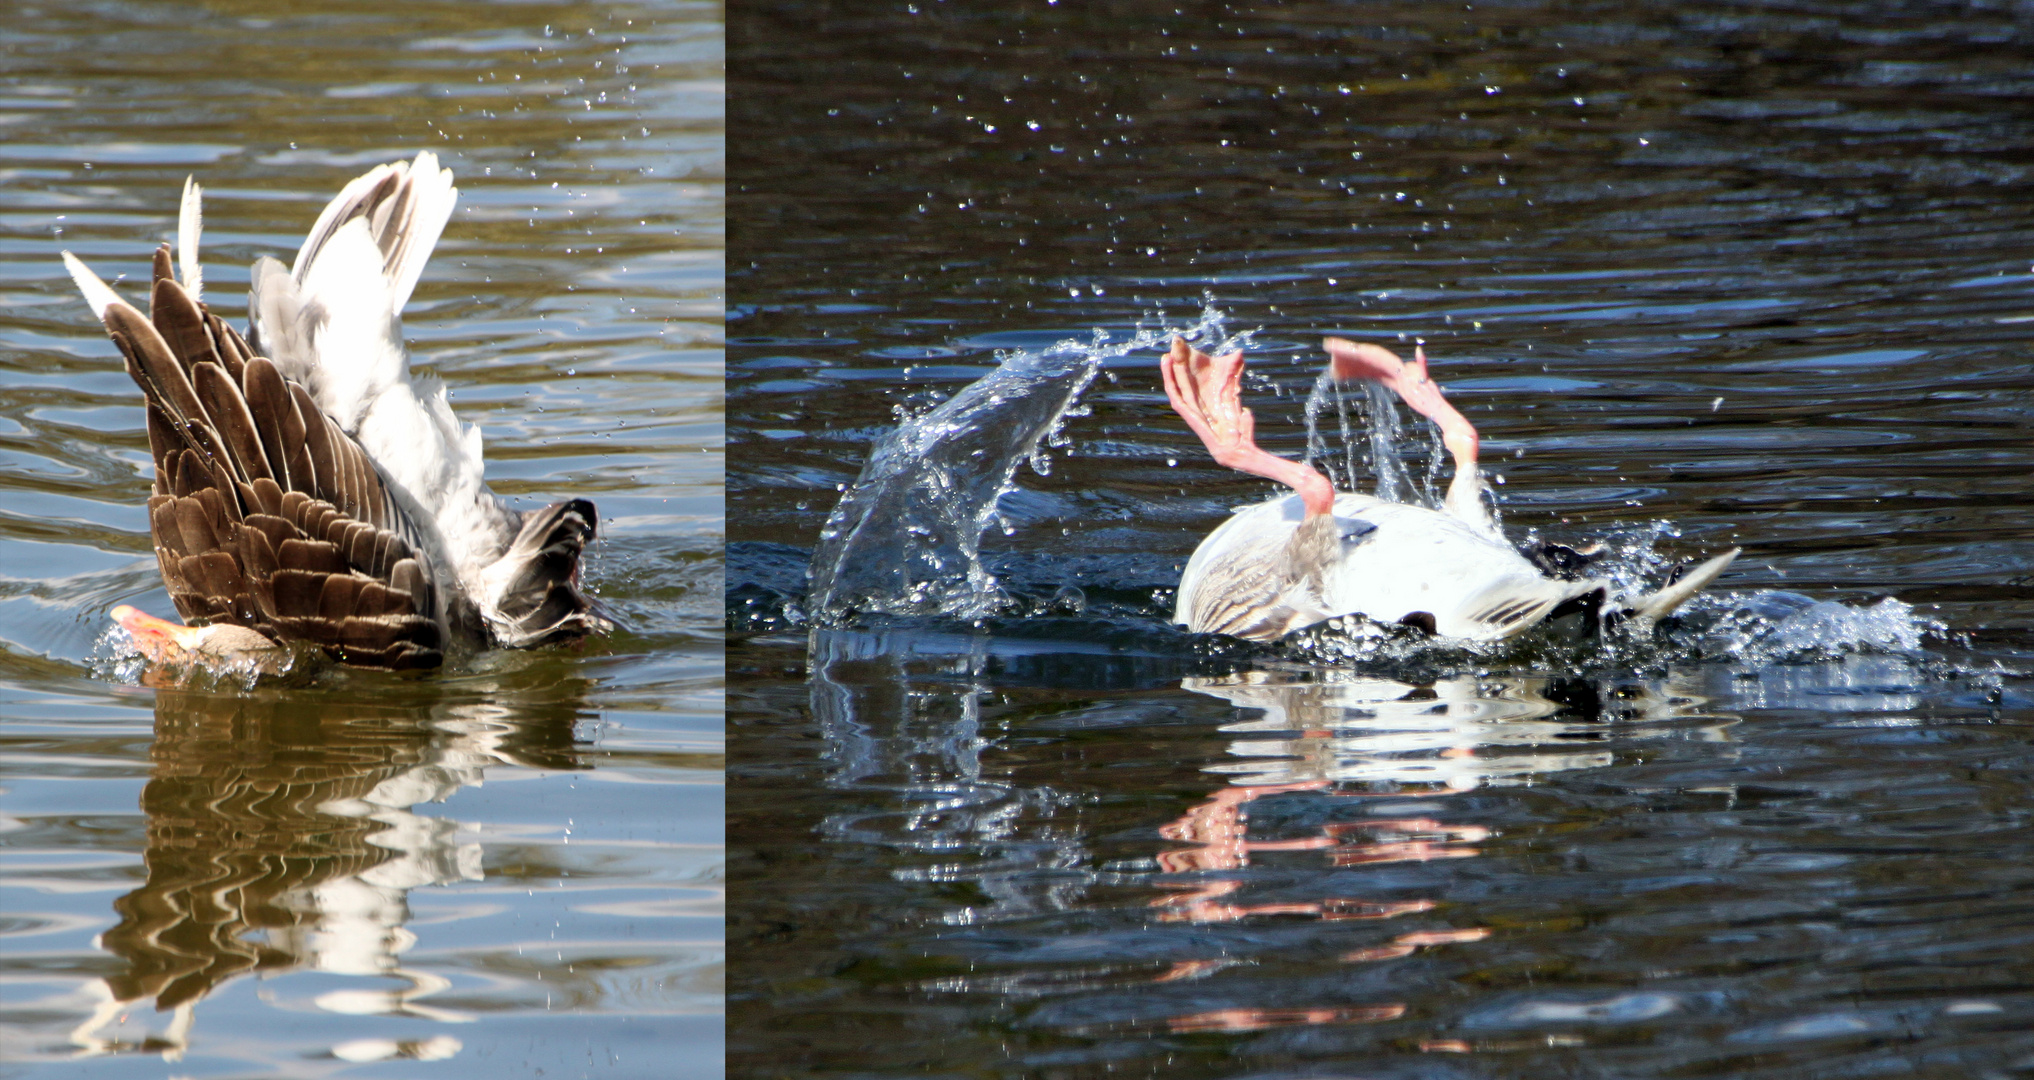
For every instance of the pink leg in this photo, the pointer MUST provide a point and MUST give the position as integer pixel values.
(1207, 393)
(1361, 360)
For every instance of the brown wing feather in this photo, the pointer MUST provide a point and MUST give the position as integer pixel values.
(265, 514)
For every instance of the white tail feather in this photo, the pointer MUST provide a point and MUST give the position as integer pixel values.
(406, 222)
(97, 293)
(429, 211)
(1661, 604)
(348, 200)
(191, 222)
(357, 348)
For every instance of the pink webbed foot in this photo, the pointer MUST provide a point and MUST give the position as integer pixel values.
(1409, 380)
(1207, 393)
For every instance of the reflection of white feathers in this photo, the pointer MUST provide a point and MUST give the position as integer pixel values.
(1458, 733)
(353, 920)
(361, 931)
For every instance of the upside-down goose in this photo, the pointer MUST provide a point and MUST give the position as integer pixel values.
(306, 489)
(1314, 555)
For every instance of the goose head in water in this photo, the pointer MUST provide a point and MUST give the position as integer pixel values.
(306, 487)
(1315, 555)
(218, 646)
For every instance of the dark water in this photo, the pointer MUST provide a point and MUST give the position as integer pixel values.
(1758, 272)
(513, 868)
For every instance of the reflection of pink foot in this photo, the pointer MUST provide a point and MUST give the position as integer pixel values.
(1404, 944)
(1207, 393)
(1361, 360)
(1242, 1020)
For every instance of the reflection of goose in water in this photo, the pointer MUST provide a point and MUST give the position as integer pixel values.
(280, 837)
(933, 754)
(1453, 734)
(902, 717)
(1312, 556)
(1339, 735)
(305, 488)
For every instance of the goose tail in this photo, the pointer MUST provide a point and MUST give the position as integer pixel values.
(333, 319)
(1654, 606)
(404, 206)
(534, 590)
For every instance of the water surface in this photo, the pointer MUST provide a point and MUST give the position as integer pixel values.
(1757, 272)
(513, 867)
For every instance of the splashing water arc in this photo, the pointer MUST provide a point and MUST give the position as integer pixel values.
(905, 538)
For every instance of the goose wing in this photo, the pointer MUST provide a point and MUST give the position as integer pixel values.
(1259, 576)
(264, 513)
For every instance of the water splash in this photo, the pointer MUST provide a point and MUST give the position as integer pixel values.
(116, 658)
(1383, 448)
(1762, 629)
(1375, 410)
(906, 537)
(1771, 627)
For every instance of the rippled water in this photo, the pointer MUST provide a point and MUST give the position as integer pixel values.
(513, 868)
(1761, 273)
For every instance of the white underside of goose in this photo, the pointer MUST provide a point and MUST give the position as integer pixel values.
(1395, 561)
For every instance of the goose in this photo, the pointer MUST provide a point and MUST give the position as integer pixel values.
(307, 489)
(1314, 555)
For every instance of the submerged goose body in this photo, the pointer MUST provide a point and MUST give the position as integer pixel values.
(306, 488)
(1392, 563)
(1315, 555)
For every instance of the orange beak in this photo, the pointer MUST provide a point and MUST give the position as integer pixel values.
(158, 639)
